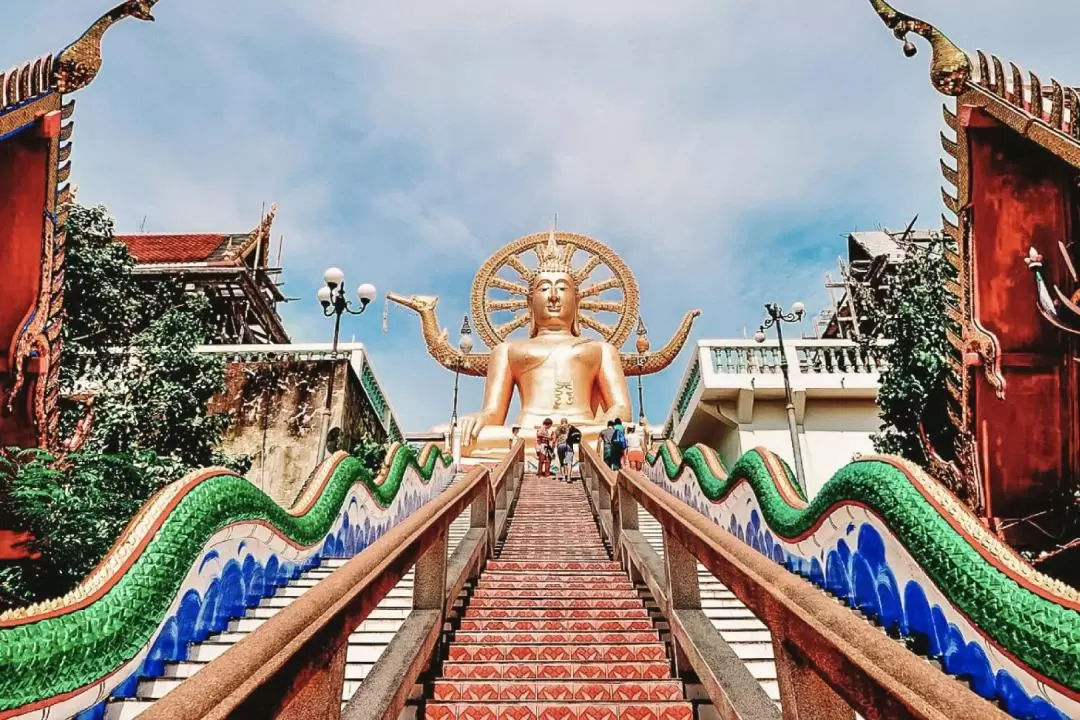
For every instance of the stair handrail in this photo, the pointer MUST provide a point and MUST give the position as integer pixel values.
(293, 666)
(830, 662)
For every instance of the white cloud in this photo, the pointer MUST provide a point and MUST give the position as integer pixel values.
(721, 147)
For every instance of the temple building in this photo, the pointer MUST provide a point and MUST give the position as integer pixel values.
(872, 259)
(233, 270)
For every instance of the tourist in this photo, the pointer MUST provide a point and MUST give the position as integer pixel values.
(514, 434)
(605, 436)
(562, 448)
(635, 456)
(544, 449)
(618, 445)
(573, 439)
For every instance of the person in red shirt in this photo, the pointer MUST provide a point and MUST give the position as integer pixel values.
(545, 449)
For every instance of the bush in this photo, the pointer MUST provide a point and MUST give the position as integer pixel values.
(913, 385)
(76, 511)
(371, 453)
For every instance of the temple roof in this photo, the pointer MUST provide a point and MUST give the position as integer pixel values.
(216, 248)
(173, 248)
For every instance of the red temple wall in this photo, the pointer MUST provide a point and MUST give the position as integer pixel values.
(24, 175)
(1020, 199)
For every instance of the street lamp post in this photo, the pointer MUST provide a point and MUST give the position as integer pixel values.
(778, 317)
(465, 345)
(335, 304)
(642, 347)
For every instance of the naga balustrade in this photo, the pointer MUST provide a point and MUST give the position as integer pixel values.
(293, 666)
(830, 661)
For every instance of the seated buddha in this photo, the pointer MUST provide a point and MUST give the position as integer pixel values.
(556, 372)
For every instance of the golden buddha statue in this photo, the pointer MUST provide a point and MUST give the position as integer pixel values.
(556, 370)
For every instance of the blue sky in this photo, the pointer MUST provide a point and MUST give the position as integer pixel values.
(723, 148)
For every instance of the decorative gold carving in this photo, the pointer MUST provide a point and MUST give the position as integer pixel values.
(26, 81)
(510, 287)
(435, 336)
(950, 68)
(259, 237)
(948, 145)
(78, 64)
(551, 257)
(648, 363)
(597, 288)
(948, 173)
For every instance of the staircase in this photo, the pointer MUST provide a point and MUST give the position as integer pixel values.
(554, 629)
(745, 633)
(366, 643)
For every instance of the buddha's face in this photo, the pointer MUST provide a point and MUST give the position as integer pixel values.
(553, 301)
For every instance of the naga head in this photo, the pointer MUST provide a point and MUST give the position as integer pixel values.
(139, 9)
(419, 303)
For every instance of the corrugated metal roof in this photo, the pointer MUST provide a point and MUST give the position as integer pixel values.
(883, 242)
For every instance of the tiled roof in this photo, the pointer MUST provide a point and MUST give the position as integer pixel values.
(189, 247)
(193, 247)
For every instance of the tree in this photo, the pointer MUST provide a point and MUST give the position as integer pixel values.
(133, 345)
(913, 315)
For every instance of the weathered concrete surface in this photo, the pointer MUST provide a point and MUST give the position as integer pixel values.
(276, 409)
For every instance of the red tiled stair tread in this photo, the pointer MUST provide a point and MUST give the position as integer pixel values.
(569, 593)
(558, 638)
(472, 624)
(555, 630)
(558, 670)
(547, 690)
(593, 603)
(552, 566)
(570, 583)
(559, 711)
(556, 614)
(586, 652)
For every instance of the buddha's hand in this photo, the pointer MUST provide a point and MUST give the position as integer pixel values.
(471, 425)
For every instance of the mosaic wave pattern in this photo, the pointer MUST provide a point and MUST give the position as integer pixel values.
(890, 542)
(201, 552)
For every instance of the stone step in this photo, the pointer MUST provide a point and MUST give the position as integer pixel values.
(557, 691)
(557, 638)
(600, 711)
(580, 653)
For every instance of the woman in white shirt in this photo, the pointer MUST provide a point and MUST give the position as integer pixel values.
(635, 456)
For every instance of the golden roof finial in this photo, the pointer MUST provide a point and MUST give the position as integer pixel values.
(78, 64)
(950, 68)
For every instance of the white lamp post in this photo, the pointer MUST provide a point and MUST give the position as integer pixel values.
(335, 304)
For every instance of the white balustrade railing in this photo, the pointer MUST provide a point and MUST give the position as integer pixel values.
(810, 357)
(721, 367)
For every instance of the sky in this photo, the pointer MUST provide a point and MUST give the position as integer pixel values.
(723, 148)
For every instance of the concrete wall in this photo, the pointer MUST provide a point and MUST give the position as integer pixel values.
(831, 433)
(277, 418)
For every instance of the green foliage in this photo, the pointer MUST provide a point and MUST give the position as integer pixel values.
(132, 344)
(913, 385)
(371, 453)
(76, 510)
